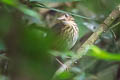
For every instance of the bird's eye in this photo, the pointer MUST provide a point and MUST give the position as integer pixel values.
(66, 15)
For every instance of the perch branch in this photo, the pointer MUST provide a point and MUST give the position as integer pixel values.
(90, 41)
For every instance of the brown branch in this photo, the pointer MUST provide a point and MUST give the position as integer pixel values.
(90, 41)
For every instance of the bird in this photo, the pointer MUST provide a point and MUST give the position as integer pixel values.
(67, 32)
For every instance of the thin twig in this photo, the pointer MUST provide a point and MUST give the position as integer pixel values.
(40, 5)
(113, 34)
(90, 41)
(65, 67)
(115, 25)
(61, 11)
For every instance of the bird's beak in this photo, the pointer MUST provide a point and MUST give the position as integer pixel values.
(61, 18)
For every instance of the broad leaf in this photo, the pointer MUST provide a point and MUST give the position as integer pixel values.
(55, 0)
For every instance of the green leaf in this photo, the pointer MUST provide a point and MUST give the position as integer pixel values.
(101, 54)
(28, 11)
(3, 77)
(10, 2)
(22, 8)
(55, 0)
(63, 76)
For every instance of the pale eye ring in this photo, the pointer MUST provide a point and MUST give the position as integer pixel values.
(66, 15)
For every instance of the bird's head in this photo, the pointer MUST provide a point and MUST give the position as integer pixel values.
(67, 19)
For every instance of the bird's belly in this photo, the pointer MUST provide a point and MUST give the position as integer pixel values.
(71, 42)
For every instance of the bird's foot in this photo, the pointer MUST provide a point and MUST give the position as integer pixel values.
(65, 67)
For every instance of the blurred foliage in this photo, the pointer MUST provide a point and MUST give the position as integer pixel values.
(26, 40)
(5, 22)
(64, 76)
(55, 0)
(98, 53)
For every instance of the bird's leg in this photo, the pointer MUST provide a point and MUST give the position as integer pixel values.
(62, 64)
